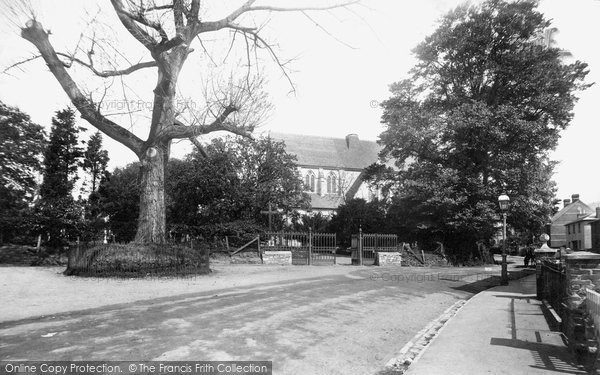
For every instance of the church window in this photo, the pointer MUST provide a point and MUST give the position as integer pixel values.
(332, 183)
(309, 181)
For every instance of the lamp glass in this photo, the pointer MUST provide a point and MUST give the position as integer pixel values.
(503, 201)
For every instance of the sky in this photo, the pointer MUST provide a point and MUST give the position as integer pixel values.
(342, 65)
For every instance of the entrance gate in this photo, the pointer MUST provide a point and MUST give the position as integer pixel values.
(366, 245)
(306, 248)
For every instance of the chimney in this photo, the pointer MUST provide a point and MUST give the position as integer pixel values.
(575, 197)
(352, 140)
(566, 202)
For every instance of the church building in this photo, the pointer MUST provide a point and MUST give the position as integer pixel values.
(332, 168)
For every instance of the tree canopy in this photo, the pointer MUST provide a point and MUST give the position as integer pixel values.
(21, 146)
(168, 33)
(481, 109)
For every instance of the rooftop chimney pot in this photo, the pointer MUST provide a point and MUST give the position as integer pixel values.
(575, 197)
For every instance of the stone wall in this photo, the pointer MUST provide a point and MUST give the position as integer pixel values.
(388, 258)
(277, 257)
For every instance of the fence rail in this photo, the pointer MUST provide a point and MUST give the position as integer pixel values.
(365, 246)
(306, 248)
(554, 281)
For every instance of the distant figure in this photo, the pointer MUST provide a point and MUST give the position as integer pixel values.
(528, 256)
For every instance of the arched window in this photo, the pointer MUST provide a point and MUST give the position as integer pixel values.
(309, 181)
(332, 183)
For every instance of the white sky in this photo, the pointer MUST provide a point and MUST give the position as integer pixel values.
(336, 85)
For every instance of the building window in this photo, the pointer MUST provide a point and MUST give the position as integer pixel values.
(578, 227)
(568, 229)
(309, 182)
(332, 183)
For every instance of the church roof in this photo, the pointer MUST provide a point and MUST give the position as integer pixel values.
(348, 153)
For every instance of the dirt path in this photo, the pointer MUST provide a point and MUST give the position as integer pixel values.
(307, 320)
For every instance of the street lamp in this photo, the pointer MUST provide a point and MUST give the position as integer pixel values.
(504, 202)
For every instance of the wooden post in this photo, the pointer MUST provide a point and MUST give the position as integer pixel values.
(309, 246)
(39, 243)
(227, 243)
(360, 247)
(259, 249)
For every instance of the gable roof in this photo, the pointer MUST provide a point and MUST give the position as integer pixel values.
(569, 210)
(348, 153)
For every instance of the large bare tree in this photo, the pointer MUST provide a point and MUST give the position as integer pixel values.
(166, 31)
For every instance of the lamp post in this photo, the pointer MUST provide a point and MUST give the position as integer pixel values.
(503, 202)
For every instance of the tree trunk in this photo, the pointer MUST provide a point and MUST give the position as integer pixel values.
(152, 217)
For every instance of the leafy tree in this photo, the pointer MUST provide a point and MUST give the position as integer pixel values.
(356, 214)
(57, 211)
(118, 196)
(166, 32)
(484, 105)
(21, 145)
(95, 160)
(234, 180)
(61, 157)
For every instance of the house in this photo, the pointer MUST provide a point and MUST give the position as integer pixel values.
(595, 228)
(332, 168)
(579, 231)
(573, 210)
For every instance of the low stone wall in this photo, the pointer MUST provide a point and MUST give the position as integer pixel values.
(388, 258)
(283, 258)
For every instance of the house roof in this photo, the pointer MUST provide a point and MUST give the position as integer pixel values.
(590, 217)
(348, 153)
(570, 209)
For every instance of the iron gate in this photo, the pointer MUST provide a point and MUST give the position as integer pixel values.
(306, 248)
(366, 245)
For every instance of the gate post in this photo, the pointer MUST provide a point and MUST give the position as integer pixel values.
(334, 249)
(310, 239)
(360, 246)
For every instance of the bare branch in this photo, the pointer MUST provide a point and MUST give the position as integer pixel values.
(109, 73)
(35, 33)
(199, 146)
(192, 14)
(180, 130)
(258, 40)
(178, 10)
(138, 33)
(18, 63)
(247, 7)
(326, 31)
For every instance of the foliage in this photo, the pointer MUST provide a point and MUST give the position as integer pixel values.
(235, 181)
(118, 196)
(21, 145)
(316, 222)
(358, 214)
(484, 105)
(61, 157)
(56, 213)
(95, 160)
